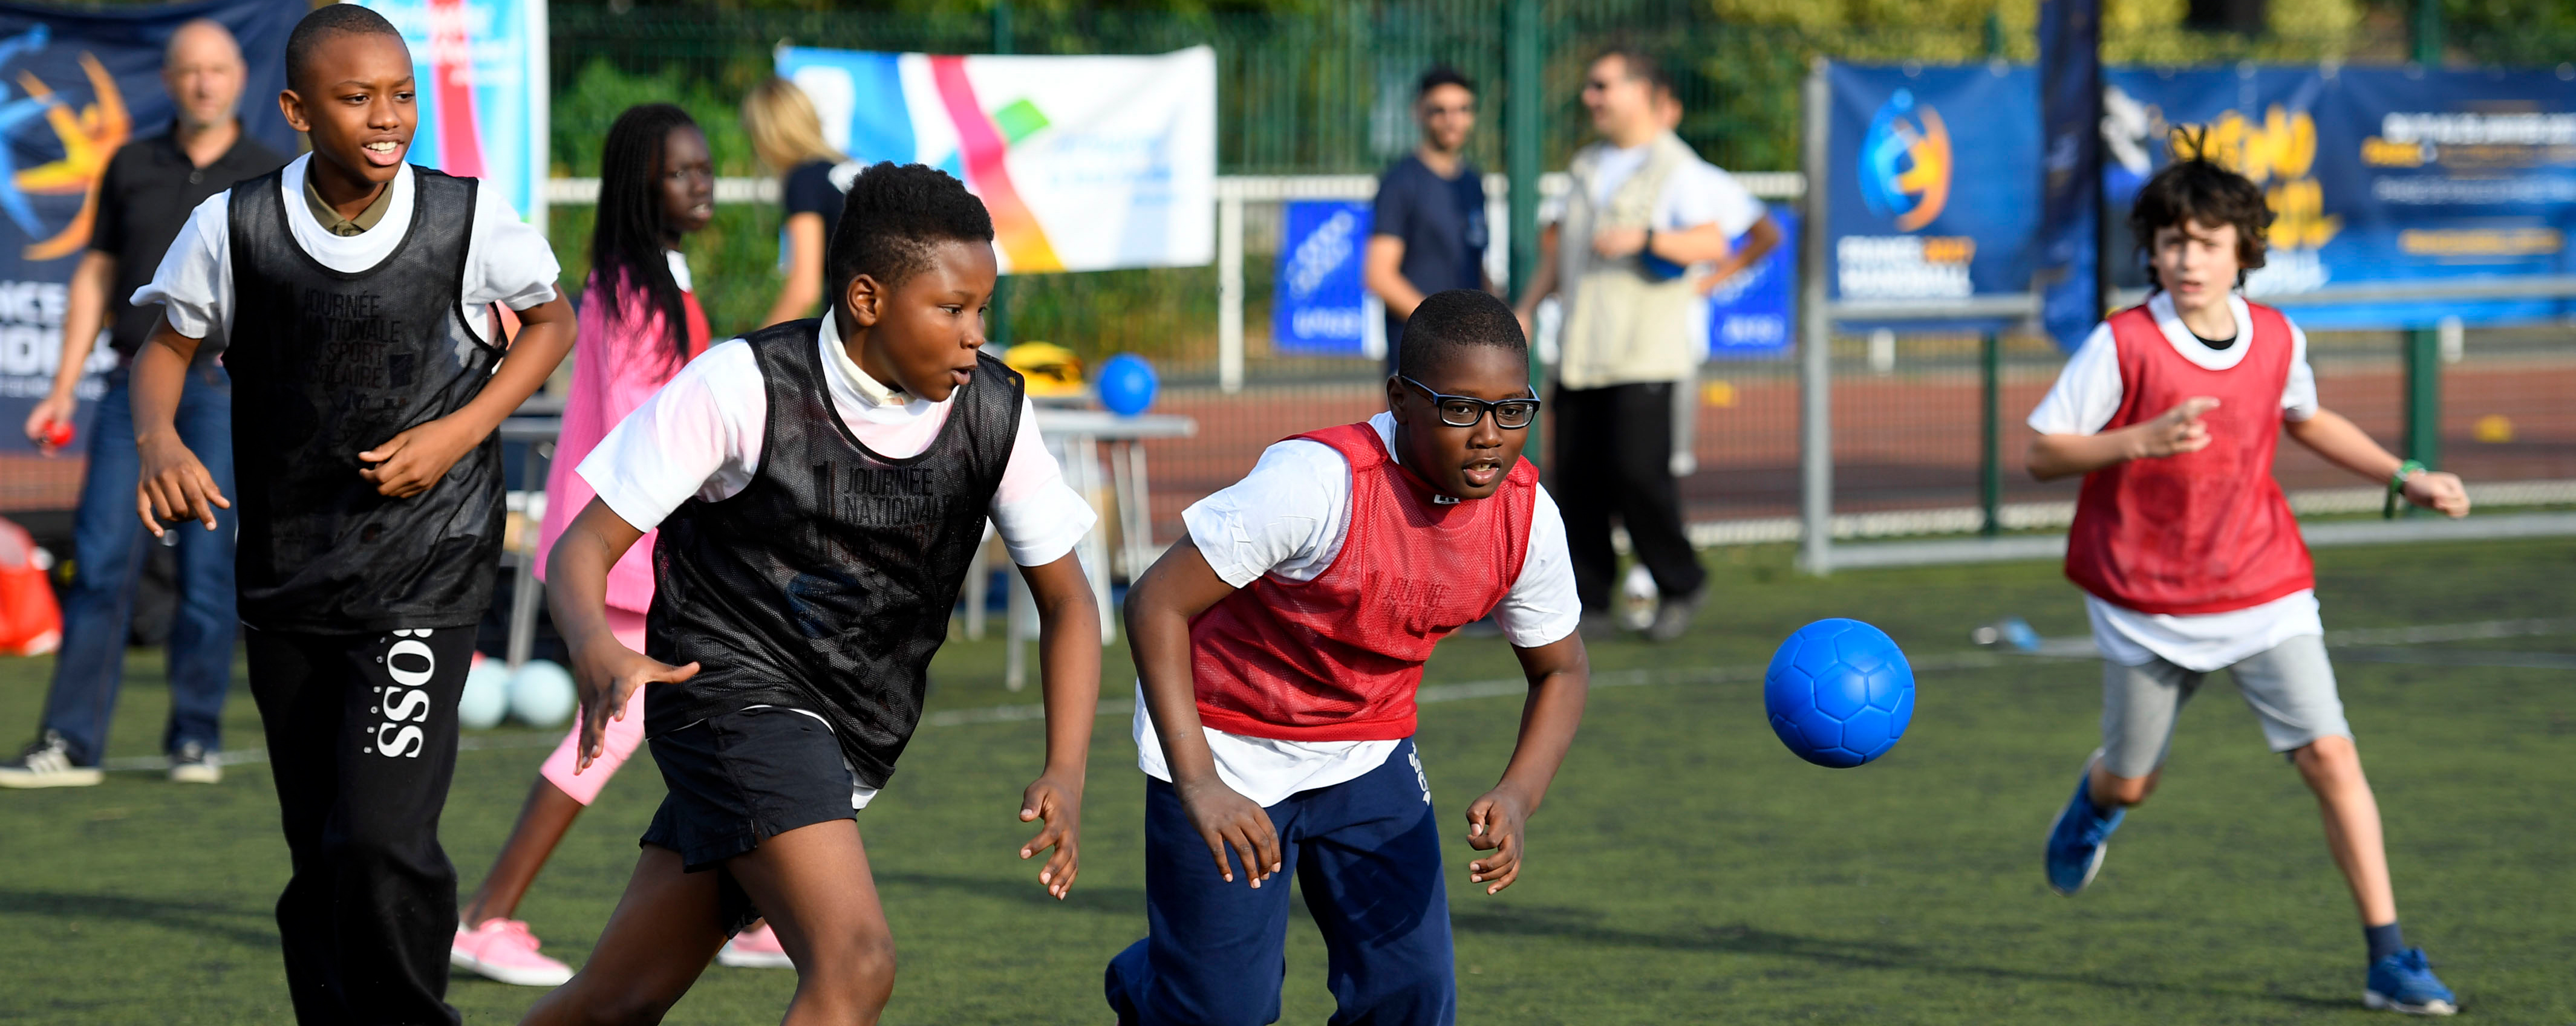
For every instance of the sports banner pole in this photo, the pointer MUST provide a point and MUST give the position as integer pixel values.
(1815, 348)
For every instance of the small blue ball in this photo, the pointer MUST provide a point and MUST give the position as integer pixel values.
(1126, 384)
(1839, 693)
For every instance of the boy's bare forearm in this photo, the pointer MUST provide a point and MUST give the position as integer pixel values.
(2055, 456)
(577, 584)
(2344, 444)
(160, 373)
(545, 336)
(1068, 662)
(1177, 587)
(1560, 676)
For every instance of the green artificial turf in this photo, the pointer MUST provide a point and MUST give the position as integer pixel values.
(1685, 869)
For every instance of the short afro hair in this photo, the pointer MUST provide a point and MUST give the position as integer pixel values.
(1441, 75)
(891, 217)
(1447, 322)
(319, 27)
(2198, 190)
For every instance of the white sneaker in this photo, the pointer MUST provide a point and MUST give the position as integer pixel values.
(48, 763)
(504, 950)
(193, 764)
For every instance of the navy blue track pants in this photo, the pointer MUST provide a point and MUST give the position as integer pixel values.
(1366, 856)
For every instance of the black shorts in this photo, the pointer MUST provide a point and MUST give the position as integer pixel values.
(739, 778)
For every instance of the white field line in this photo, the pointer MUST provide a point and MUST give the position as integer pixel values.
(1120, 708)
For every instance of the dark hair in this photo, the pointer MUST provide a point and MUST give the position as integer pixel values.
(325, 22)
(1640, 66)
(891, 217)
(1441, 75)
(2197, 189)
(627, 245)
(1450, 321)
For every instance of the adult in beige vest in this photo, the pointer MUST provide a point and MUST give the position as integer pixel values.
(1644, 230)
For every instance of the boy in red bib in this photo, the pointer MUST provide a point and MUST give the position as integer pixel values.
(1279, 649)
(2186, 549)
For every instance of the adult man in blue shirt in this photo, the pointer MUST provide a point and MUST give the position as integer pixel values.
(1428, 231)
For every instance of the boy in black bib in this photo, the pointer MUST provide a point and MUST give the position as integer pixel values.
(351, 293)
(820, 487)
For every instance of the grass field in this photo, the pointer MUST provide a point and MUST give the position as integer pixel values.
(1686, 868)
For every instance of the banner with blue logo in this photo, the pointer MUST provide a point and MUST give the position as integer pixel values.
(76, 85)
(2374, 175)
(1751, 316)
(1317, 305)
(2067, 275)
(1930, 191)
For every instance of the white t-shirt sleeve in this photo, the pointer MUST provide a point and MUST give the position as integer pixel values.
(1700, 193)
(2299, 394)
(512, 264)
(194, 283)
(1038, 515)
(1542, 607)
(1287, 515)
(699, 437)
(2088, 391)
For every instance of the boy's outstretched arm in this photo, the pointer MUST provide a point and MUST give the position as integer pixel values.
(1560, 676)
(174, 485)
(1177, 587)
(2346, 445)
(408, 463)
(604, 671)
(2176, 431)
(1069, 669)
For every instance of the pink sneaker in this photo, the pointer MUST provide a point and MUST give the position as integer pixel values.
(754, 948)
(504, 950)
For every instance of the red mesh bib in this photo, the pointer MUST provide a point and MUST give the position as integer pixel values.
(1338, 658)
(2206, 531)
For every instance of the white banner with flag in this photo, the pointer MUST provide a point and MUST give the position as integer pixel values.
(1087, 163)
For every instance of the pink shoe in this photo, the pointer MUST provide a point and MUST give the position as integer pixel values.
(504, 950)
(754, 948)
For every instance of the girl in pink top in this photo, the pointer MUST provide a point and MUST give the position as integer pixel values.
(639, 325)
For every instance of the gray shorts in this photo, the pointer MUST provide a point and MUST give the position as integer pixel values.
(2290, 687)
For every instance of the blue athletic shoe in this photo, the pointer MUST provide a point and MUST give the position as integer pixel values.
(2082, 834)
(2404, 982)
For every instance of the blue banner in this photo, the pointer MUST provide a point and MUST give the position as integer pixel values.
(2374, 175)
(75, 85)
(1317, 307)
(1929, 190)
(1752, 315)
(2067, 274)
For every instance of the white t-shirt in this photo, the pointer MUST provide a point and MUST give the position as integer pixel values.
(506, 260)
(1696, 193)
(1289, 517)
(701, 435)
(2087, 394)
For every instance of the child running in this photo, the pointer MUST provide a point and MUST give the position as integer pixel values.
(353, 290)
(820, 486)
(2186, 549)
(656, 186)
(1279, 648)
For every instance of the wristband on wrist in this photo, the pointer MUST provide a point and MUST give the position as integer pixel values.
(2397, 487)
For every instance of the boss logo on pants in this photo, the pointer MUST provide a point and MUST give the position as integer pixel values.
(410, 664)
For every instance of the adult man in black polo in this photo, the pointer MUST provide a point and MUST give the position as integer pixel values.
(1427, 232)
(150, 187)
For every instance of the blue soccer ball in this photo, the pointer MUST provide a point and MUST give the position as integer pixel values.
(1126, 383)
(1839, 693)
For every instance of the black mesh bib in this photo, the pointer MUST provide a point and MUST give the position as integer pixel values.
(327, 364)
(827, 582)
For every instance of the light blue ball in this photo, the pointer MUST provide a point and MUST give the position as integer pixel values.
(486, 698)
(1839, 693)
(1126, 384)
(542, 695)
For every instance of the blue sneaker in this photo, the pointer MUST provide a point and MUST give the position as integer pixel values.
(2082, 834)
(2404, 982)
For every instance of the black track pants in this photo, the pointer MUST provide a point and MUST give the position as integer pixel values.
(362, 740)
(1614, 452)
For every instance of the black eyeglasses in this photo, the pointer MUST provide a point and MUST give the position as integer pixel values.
(1466, 411)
